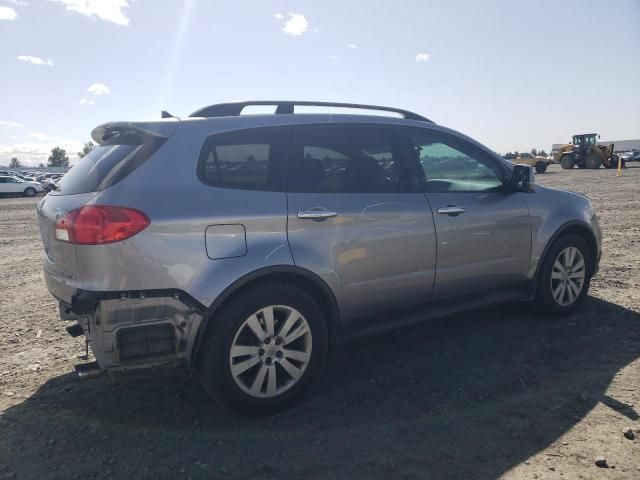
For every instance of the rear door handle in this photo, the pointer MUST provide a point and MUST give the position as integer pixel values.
(451, 210)
(316, 214)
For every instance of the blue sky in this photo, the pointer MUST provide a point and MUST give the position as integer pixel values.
(512, 74)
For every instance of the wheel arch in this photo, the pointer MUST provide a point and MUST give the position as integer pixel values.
(577, 227)
(301, 277)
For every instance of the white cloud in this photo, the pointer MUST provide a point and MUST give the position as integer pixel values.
(19, 3)
(86, 101)
(296, 25)
(107, 10)
(31, 154)
(35, 60)
(333, 57)
(352, 45)
(98, 89)
(7, 13)
(422, 57)
(37, 136)
(279, 16)
(5, 123)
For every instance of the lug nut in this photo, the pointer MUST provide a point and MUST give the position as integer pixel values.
(279, 354)
(261, 352)
(268, 361)
(267, 341)
(278, 341)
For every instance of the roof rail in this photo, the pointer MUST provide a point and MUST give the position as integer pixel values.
(234, 109)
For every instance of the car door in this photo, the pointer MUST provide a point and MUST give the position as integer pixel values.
(4, 186)
(18, 185)
(12, 185)
(354, 222)
(483, 229)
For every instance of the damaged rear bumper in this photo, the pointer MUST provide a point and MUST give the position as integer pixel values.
(136, 332)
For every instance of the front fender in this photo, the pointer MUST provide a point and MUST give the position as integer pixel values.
(554, 212)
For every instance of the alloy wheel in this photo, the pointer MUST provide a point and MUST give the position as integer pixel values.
(270, 351)
(568, 276)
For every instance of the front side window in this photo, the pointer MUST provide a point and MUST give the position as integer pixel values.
(345, 159)
(251, 160)
(452, 165)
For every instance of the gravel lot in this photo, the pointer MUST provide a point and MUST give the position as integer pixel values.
(495, 393)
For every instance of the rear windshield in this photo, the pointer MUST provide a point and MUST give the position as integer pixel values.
(105, 165)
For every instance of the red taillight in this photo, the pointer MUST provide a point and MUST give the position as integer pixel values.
(96, 224)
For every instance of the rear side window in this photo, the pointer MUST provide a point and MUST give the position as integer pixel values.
(107, 164)
(251, 159)
(345, 159)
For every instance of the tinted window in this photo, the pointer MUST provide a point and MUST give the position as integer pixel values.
(251, 159)
(452, 165)
(106, 165)
(345, 159)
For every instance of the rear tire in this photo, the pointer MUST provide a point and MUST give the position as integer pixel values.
(564, 277)
(567, 162)
(30, 192)
(250, 360)
(541, 167)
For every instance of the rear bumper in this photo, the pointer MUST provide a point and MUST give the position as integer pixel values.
(131, 333)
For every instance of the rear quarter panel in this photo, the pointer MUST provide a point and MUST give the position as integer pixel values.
(171, 252)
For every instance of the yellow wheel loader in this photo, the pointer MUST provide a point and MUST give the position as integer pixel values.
(584, 152)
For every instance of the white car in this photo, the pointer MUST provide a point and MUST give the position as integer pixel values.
(14, 185)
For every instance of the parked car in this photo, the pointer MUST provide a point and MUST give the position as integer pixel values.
(51, 182)
(42, 177)
(238, 248)
(627, 156)
(14, 185)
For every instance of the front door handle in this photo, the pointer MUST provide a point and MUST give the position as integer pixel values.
(451, 210)
(316, 214)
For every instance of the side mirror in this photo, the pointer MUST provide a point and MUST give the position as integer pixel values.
(522, 178)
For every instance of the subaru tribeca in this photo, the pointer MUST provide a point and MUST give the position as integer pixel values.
(238, 248)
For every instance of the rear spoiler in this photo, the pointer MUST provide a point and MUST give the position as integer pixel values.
(162, 129)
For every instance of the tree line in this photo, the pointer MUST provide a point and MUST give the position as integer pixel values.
(534, 152)
(57, 158)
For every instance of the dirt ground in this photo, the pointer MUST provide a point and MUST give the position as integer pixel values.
(496, 393)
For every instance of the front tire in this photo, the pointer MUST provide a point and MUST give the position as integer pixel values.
(265, 349)
(30, 192)
(541, 167)
(593, 161)
(563, 281)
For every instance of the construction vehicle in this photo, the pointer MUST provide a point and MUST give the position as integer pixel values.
(539, 163)
(585, 152)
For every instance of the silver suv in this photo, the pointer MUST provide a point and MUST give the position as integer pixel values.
(238, 248)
